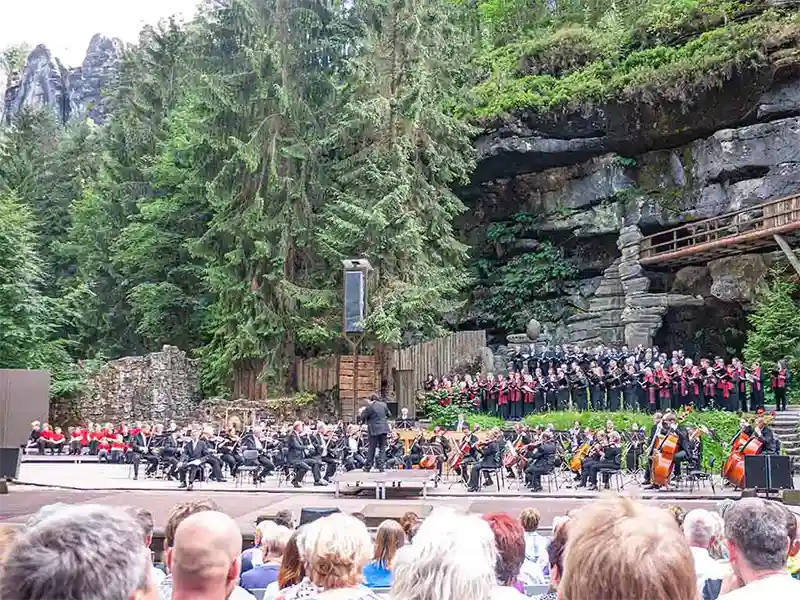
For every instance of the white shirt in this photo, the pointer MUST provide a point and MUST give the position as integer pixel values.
(158, 575)
(506, 592)
(780, 586)
(706, 567)
(536, 550)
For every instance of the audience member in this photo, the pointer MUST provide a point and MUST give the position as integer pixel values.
(291, 572)
(409, 521)
(284, 517)
(252, 557)
(452, 558)
(555, 556)
(303, 587)
(336, 550)
(678, 514)
(699, 527)
(509, 539)
(177, 515)
(536, 562)
(758, 545)
(619, 549)
(718, 549)
(8, 535)
(145, 520)
(204, 557)
(793, 563)
(84, 551)
(273, 544)
(389, 539)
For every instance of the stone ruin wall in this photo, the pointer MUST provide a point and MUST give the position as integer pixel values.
(156, 387)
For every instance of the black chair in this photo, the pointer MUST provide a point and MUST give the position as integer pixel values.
(250, 465)
(608, 473)
(698, 476)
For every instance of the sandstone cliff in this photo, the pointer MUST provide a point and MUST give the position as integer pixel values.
(71, 93)
(600, 175)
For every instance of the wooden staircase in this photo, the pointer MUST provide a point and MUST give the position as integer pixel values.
(785, 425)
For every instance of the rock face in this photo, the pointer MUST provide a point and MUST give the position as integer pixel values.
(156, 387)
(602, 177)
(76, 93)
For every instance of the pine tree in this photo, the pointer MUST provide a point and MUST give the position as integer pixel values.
(264, 88)
(395, 155)
(775, 323)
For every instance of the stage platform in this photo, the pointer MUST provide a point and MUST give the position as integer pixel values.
(407, 478)
(86, 476)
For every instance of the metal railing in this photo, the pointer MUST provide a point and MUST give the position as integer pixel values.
(741, 227)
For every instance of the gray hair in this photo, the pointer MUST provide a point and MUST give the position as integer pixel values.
(45, 513)
(89, 551)
(698, 527)
(758, 530)
(452, 558)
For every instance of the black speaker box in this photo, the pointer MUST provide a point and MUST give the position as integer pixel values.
(9, 462)
(309, 515)
(767, 472)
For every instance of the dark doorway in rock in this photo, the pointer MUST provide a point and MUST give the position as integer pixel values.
(715, 329)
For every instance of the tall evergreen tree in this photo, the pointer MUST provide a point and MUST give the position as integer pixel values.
(395, 153)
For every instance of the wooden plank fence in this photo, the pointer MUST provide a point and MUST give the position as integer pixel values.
(245, 380)
(316, 374)
(439, 356)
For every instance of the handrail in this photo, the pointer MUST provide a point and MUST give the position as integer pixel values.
(747, 224)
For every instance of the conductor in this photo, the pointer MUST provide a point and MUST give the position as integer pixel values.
(375, 415)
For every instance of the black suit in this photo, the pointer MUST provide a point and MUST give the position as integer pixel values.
(542, 461)
(489, 460)
(296, 457)
(142, 448)
(249, 442)
(376, 416)
(196, 451)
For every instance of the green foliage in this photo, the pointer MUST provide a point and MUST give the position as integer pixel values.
(511, 291)
(15, 56)
(639, 53)
(775, 324)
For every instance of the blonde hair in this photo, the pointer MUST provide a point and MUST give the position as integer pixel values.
(336, 548)
(529, 518)
(389, 539)
(619, 549)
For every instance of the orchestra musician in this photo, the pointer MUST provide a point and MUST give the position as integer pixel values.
(256, 440)
(323, 439)
(763, 432)
(490, 459)
(352, 457)
(657, 417)
(414, 452)
(541, 461)
(142, 448)
(440, 439)
(195, 453)
(669, 424)
(404, 422)
(395, 452)
(595, 455)
(296, 456)
(607, 458)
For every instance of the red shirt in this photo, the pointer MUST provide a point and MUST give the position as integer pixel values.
(96, 436)
(115, 445)
(76, 436)
(104, 444)
(57, 438)
(47, 435)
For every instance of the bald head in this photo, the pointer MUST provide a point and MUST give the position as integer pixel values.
(206, 552)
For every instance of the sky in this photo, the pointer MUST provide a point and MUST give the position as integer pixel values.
(66, 26)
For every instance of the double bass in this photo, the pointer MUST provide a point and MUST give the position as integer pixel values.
(463, 451)
(664, 451)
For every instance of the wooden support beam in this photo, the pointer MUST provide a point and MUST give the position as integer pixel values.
(787, 250)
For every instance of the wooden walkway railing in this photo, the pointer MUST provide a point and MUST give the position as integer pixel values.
(746, 230)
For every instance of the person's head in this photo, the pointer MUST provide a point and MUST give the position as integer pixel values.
(792, 525)
(84, 551)
(195, 434)
(8, 535)
(204, 558)
(628, 550)
(555, 553)
(452, 558)
(699, 528)
(335, 550)
(182, 511)
(292, 569)
(509, 537)
(145, 520)
(758, 537)
(284, 517)
(404, 413)
(409, 522)
(388, 540)
(657, 417)
(298, 427)
(529, 519)
(273, 543)
(677, 513)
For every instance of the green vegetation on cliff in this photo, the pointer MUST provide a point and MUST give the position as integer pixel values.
(666, 49)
